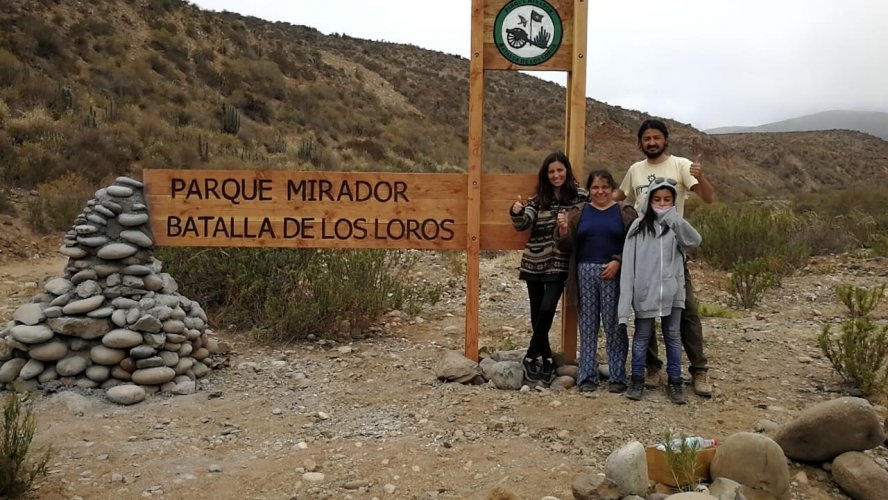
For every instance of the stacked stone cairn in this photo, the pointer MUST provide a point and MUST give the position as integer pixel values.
(114, 321)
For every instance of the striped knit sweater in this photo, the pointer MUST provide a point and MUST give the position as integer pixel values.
(541, 261)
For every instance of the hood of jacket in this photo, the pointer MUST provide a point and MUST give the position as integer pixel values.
(657, 183)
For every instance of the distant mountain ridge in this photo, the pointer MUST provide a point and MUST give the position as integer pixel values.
(869, 122)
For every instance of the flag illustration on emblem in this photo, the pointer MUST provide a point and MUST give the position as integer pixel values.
(535, 16)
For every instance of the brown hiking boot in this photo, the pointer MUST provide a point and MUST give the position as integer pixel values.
(702, 387)
(652, 378)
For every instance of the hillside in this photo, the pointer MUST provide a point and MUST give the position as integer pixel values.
(869, 122)
(100, 89)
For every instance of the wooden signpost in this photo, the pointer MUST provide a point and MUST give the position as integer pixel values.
(246, 208)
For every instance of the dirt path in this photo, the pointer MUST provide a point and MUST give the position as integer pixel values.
(370, 415)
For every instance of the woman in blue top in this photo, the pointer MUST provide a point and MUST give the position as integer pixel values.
(543, 267)
(595, 233)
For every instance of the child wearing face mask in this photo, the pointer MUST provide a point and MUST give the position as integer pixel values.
(652, 283)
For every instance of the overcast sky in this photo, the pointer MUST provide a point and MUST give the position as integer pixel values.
(710, 63)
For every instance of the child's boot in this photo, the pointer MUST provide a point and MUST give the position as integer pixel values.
(636, 388)
(674, 391)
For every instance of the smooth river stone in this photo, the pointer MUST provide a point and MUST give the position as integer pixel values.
(122, 339)
(85, 275)
(113, 207)
(53, 311)
(9, 370)
(106, 356)
(124, 303)
(148, 323)
(118, 317)
(28, 334)
(58, 286)
(84, 306)
(61, 300)
(153, 282)
(104, 212)
(85, 229)
(137, 238)
(53, 350)
(98, 373)
(126, 394)
(154, 376)
(131, 220)
(31, 369)
(73, 252)
(119, 191)
(29, 314)
(114, 251)
(129, 181)
(71, 366)
(96, 219)
(173, 326)
(136, 270)
(104, 312)
(104, 270)
(92, 241)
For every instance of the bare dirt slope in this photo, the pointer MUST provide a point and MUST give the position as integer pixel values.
(370, 415)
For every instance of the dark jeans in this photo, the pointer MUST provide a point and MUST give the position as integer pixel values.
(544, 297)
(691, 335)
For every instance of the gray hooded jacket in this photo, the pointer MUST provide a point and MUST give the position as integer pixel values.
(652, 279)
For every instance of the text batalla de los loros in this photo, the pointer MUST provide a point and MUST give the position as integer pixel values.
(239, 191)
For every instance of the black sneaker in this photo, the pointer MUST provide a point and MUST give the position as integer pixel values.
(674, 391)
(616, 387)
(636, 388)
(531, 369)
(547, 374)
(588, 386)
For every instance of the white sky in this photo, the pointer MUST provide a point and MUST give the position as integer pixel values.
(710, 63)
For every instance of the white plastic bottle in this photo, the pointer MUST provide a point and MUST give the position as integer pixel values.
(695, 442)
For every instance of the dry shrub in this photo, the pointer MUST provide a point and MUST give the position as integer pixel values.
(58, 203)
(17, 472)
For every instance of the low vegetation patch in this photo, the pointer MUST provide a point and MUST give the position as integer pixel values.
(748, 282)
(285, 294)
(17, 470)
(859, 352)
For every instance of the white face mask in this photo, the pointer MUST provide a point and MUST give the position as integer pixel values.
(660, 210)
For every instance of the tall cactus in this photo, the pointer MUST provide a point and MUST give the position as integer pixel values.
(230, 119)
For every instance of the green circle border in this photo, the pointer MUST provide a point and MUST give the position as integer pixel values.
(503, 47)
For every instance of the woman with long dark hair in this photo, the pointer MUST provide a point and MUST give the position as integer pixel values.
(543, 267)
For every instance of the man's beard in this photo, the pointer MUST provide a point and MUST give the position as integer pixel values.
(655, 153)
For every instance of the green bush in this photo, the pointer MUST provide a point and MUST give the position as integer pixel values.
(738, 233)
(749, 281)
(858, 352)
(287, 294)
(17, 474)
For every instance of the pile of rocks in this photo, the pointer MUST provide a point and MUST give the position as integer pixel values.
(838, 435)
(114, 320)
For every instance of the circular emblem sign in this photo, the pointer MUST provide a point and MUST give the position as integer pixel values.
(527, 32)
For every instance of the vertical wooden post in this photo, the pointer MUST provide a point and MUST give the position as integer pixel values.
(575, 147)
(476, 143)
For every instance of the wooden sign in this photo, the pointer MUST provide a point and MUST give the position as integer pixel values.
(246, 208)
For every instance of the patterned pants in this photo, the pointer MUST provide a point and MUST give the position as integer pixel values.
(598, 300)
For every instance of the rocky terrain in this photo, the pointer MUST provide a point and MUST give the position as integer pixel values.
(369, 419)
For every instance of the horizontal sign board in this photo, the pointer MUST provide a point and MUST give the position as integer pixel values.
(247, 208)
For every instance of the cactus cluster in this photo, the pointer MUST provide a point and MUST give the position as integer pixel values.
(230, 119)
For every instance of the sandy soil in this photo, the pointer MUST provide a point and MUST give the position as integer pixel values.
(371, 419)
